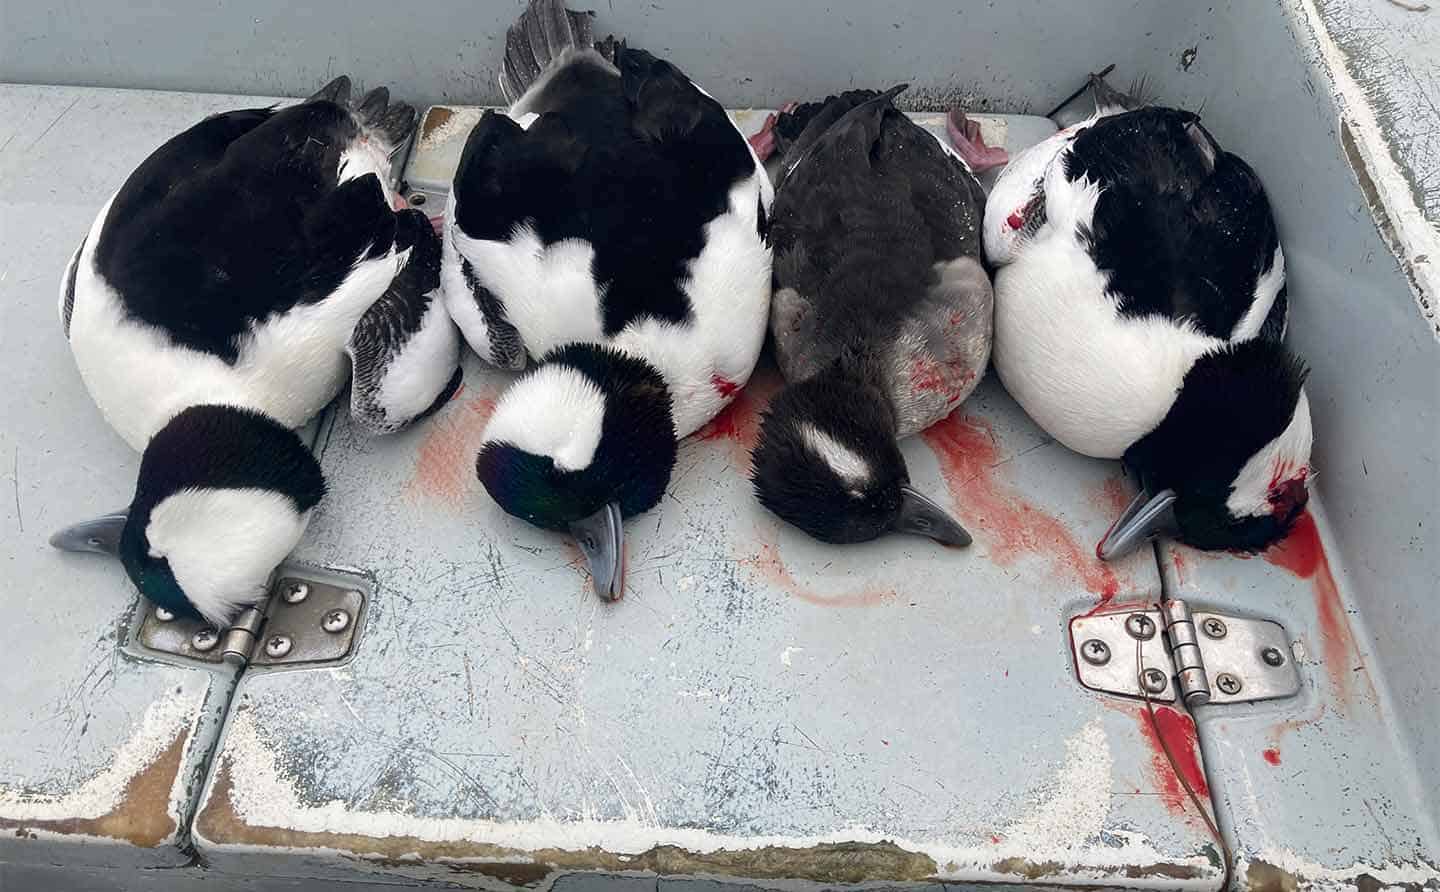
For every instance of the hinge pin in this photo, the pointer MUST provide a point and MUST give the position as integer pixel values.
(1185, 652)
(240, 637)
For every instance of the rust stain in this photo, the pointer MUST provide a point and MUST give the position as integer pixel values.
(219, 823)
(1039, 870)
(771, 567)
(445, 462)
(142, 816)
(437, 117)
(969, 455)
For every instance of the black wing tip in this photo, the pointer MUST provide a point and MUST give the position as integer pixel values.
(337, 91)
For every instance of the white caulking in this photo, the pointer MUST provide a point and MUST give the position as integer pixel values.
(263, 796)
(102, 793)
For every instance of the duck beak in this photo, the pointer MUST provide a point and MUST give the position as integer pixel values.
(602, 539)
(923, 517)
(1146, 517)
(101, 535)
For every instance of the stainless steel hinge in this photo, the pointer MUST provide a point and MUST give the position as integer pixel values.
(311, 617)
(1202, 657)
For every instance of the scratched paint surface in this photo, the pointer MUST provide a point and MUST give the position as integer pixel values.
(1320, 786)
(94, 745)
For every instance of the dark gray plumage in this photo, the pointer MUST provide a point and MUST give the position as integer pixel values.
(881, 316)
(876, 233)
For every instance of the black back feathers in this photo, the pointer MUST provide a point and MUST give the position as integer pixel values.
(634, 164)
(1182, 227)
(239, 218)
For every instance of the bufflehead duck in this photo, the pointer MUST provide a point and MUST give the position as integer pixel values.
(610, 228)
(220, 300)
(881, 317)
(1140, 307)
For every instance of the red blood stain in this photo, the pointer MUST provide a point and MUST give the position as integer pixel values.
(1014, 221)
(1178, 732)
(968, 453)
(1178, 560)
(994, 840)
(950, 378)
(1110, 605)
(770, 565)
(724, 386)
(739, 422)
(445, 462)
(1303, 554)
(1272, 756)
(1113, 497)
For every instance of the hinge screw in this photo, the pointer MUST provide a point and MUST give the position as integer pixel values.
(1213, 627)
(1227, 683)
(1272, 656)
(278, 646)
(205, 639)
(296, 592)
(164, 615)
(1154, 681)
(1095, 652)
(335, 621)
(1140, 626)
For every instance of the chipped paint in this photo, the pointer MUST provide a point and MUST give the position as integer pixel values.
(1400, 219)
(1054, 838)
(132, 800)
(1278, 870)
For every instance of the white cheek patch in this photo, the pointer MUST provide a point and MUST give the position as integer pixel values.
(1282, 459)
(554, 411)
(223, 544)
(847, 464)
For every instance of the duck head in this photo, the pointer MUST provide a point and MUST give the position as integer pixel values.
(223, 496)
(826, 461)
(581, 441)
(1229, 466)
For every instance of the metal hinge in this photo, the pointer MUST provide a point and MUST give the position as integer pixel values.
(1203, 657)
(312, 617)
